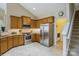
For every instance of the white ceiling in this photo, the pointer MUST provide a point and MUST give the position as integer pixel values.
(45, 9)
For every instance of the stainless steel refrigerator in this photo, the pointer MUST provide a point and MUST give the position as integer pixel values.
(47, 34)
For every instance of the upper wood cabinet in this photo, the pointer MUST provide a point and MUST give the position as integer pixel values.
(19, 24)
(51, 19)
(16, 22)
(47, 20)
(26, 20)
(34, 24)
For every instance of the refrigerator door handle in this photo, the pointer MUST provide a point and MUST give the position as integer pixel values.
(40, 33)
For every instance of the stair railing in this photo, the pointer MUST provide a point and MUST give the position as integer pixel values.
(66, 35)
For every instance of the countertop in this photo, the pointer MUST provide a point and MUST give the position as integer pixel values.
(14, 32)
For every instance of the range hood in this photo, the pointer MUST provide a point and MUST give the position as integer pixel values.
(26, 26)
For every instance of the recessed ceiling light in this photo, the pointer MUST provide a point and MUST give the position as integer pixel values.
(34, 8)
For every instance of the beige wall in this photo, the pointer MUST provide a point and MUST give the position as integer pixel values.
(16, 10)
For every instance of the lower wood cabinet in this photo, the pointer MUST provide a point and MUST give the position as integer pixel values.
(36, 37)
(18, 40)
(21, 40)
(7, 43)
(3, 45)
(10, 42)
(15, 41)
(33, 37)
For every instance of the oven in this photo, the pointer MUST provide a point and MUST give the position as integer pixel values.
(27, 37)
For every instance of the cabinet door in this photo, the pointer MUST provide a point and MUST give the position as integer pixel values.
(26, 20)
(38, 37)
(19, 24)
(21, 40)
(33, 24)
(14, 22)
(51, 19)
(38, 24)
(34, 37)
(10, 42)
(15, 41)
(3, 45)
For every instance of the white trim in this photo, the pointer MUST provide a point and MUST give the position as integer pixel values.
(70, 31)
(55, 34)
(66, 39)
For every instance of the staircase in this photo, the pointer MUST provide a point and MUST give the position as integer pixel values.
(74, 43)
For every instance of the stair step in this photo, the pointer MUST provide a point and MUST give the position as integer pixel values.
(75, 27)
(74, 53)
(75, 33)
(75, 24)
(76, 18)
(75, 42)
(75, 36)
(75, 30)
(76, 21)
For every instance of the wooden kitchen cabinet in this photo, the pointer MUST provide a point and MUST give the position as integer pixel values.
(33, 24)
(10, 42)
(38, 37)
(3, 45)
(51, 19)
(47, 20)
(15, 41)
(19, 24)
(34, 38)
(21, 40)
(16, 22)
(18, 40)
(26, 20)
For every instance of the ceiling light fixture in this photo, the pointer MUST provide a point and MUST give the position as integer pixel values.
(34, 8)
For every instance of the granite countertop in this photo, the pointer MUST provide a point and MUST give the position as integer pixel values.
(9, 34)
(14, 32)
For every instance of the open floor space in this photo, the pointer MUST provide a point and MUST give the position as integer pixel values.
(33, 49)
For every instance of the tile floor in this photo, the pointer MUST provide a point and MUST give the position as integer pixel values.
(33, 49)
